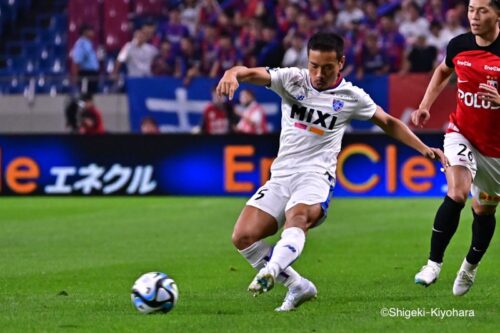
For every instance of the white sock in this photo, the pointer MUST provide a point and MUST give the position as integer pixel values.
(430, 262)
(468, 267)
(287, 250)
(258, 255)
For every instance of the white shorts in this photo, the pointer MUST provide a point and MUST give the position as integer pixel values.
(485, 170)
(279, 194)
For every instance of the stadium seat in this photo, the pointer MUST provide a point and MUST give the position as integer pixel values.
(5, 74)
(58, 22)
(115, 23)
(14, 49)
(10, 11)
(30, 34)
(149, 7)
(32, 48)
(41, 86)
(17, 85)
(43, 21)
(57, 66)
(46, 56)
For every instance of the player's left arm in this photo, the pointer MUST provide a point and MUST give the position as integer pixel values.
(489, 93)
(398, 130)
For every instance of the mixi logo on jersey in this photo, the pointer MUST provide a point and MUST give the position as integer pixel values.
(323, 120)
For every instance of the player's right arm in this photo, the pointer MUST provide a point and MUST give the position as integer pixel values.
(232, 77)
(438, 82)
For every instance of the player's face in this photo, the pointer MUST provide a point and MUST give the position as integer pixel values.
(324, 68)
(482, 16)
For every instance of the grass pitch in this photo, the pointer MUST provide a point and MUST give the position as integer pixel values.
(67, 264)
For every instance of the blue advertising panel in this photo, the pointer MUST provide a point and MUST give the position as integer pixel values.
(178, 108)
(369, 165)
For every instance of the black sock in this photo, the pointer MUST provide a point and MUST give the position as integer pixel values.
(483, 228)
(445, 225)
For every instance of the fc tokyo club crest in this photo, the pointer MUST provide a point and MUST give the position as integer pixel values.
(337, 105)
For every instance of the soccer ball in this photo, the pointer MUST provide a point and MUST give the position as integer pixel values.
(154, 292)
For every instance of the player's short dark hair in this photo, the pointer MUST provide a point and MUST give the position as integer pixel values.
(326, 41)
(495, 3)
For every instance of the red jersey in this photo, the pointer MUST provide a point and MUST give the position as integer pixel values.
(215, 120)
(98, 124)
(476, 119)
(253, 120)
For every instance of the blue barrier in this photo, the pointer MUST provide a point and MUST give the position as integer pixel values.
(369, 165)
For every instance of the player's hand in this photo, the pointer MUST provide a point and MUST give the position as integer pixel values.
(420, 117)
(438, 155)
(227, 85)
(489, 93)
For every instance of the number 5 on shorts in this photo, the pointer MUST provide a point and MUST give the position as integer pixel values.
(260, 194)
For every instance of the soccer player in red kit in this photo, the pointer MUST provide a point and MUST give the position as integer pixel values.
(471, 144)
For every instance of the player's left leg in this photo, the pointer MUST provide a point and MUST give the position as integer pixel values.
(299, 219)
(485, 197)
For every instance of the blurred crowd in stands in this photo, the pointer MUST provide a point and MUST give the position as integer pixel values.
(206, 37)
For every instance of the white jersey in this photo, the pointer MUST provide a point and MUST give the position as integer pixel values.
(313, 122)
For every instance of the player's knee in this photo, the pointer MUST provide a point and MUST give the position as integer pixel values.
(300, 220)
(458, 195)
(242, 240)
(483, 209)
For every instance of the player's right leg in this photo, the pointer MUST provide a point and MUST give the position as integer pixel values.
(459, 178)
(261, 217)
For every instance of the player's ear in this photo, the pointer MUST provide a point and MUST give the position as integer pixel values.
(341, 62)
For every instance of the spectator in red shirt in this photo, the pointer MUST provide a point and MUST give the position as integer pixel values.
(90, 117)
(253, 117)
(217, 116)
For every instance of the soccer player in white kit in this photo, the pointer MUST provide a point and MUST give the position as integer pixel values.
(317, 104)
